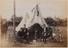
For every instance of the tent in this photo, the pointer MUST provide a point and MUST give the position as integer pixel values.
(33, 17)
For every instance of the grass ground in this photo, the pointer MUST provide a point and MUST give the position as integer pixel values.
(6, 43)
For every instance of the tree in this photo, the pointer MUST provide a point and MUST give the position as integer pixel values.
(17, 21)
(50, 21)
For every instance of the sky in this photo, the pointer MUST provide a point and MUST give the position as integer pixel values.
(48, 8)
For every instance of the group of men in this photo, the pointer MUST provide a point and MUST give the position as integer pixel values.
(34, 33)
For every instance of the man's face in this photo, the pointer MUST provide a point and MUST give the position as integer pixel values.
(20, 29)
(24, 26)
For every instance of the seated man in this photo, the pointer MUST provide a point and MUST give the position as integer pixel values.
(25, 34)
(19, 36)
(20, 33)
(24, 30)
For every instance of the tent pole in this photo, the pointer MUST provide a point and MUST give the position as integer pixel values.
(14, 17)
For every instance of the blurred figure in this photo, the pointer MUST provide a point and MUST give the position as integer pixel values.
(26, 33)
(21, 35)
(47, 33)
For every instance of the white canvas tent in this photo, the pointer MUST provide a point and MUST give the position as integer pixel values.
(32, 18)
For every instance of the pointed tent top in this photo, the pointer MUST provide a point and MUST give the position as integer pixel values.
(37, 5)
(37, 2)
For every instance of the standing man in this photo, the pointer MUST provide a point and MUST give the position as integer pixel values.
(26, 33)
(44, 33)
(24, 30)
(47, 33)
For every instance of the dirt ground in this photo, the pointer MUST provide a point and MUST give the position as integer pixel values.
(5, 42)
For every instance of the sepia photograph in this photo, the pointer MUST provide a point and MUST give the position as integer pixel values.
(33, 23)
